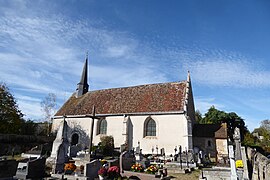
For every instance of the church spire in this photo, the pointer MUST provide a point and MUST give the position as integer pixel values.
(82, 86)
(188, 77)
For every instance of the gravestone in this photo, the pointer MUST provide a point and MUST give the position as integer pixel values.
(186, 157)
(127, 159)
(8, 169)
(73, 150)
(144, 162)
(34, 152)
(138, 153)
(91, 169)
(35, 169)
(162, 152)
(200, 156)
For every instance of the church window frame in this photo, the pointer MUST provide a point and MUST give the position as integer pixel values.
(74, 139)
(102, 126)
(150, 127)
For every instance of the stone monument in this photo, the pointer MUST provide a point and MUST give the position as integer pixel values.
(232, 163)
(60, 148)
(237, 142)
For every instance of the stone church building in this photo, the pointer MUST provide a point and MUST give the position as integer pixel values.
(153, 116)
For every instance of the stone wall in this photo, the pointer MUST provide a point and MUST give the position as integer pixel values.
(207, 145)
(259, 165)
(10, 143)
(216, 174)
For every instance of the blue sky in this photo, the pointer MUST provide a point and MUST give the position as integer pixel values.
(224, 44)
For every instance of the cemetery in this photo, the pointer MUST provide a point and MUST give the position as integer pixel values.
(104, 162)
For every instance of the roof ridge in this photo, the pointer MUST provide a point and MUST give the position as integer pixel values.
(175, 82)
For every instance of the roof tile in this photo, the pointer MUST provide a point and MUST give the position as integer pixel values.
(163, 97)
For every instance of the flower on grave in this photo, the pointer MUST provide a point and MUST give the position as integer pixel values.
(113, 172)
(152, 169)
(81, 168)
(103, 161)
(70, 167)
(102, 172)
(137, 167)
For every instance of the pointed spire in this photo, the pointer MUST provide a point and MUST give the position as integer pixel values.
(82, 86)
(188, 77)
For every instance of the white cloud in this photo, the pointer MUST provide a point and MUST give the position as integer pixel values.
(221, 68)
(119, 51)
(203, 104)
(43, 53)
(110, 77)
(30, 110)
(27, 98)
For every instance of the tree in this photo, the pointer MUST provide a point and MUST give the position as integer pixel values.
(215, 116)
(250, 140)
(233, 121)
(265, 124)
(48, 106)
(29, 127)
(107, 145)
(198, 117)
(11, 118)
(263, 131)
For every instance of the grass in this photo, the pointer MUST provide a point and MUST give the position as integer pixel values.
(16, 157)
(194, 175)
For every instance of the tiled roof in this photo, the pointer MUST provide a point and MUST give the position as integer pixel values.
(210, 130)
(163, 97)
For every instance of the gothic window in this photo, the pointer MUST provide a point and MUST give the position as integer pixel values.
(150, 127)
(102, 127)
(74, 139)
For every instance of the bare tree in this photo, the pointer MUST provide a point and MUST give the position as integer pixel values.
(265, 124)
(48, 106)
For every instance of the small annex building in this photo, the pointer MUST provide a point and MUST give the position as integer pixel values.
(154, 116)
(212, 139)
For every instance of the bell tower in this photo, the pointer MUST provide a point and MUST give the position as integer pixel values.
(82, 86)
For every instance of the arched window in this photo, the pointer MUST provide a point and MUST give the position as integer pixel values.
(209, 143)
(102, 127)
(150, 127)
(74, 139)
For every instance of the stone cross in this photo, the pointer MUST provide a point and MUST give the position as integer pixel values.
(237, 141)
(61, 143)
(232, 163)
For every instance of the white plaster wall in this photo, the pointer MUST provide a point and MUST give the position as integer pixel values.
(222, 146)
(114, 128)
(171, 131)
(55, 125)
(81, 126)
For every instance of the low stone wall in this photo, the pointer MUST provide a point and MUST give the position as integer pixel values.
(12, 143)
(21, 139)
(216, 174)
(259, 165)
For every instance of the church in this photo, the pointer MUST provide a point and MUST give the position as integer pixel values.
(151, 116)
